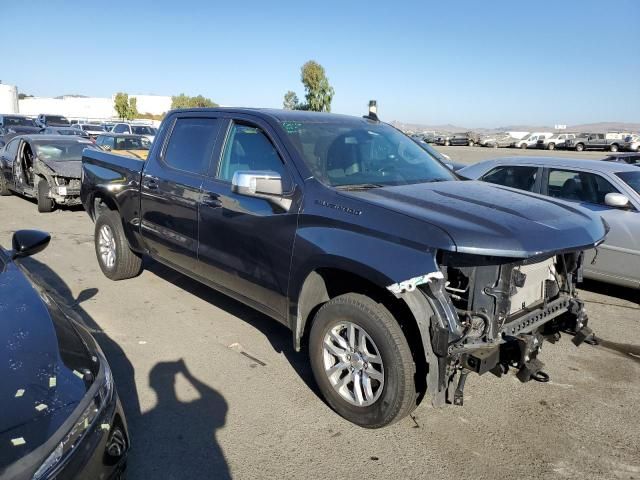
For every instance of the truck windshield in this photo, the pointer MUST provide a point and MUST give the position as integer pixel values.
(362, 152)
(632, 179)
(62, 151)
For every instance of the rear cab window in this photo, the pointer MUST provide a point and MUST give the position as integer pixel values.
(190, 144)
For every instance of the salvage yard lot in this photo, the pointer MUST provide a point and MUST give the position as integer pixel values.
(213, 389)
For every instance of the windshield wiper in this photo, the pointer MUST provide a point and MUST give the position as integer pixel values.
(359, 186)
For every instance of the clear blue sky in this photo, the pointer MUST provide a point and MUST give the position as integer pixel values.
(472, 63)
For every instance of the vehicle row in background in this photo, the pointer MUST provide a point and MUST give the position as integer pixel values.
(612, 141)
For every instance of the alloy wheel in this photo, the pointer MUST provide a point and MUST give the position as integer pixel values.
(353, 364)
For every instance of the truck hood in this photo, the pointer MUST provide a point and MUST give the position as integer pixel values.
(69, 169)
(486, 219)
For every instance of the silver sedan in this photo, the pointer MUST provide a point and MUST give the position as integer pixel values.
(610, 189)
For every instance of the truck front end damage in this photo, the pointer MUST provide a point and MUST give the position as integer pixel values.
(486, 315)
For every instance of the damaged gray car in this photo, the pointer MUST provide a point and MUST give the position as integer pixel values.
(44, 167)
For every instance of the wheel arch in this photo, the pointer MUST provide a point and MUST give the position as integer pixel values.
(410, 310)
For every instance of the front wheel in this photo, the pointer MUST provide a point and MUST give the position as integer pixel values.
(45, 204)
(471, 143)
(362, 362)
(117, 261)
(551, 146)
(523, 146)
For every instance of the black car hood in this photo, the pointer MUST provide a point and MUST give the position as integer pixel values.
(70, 169)
(487, 219)
(41, 360)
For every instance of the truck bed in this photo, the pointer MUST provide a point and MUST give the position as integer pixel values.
(113, 178)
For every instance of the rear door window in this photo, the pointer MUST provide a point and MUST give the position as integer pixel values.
(520, 177)
(191, 144)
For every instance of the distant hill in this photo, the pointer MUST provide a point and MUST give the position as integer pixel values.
(585, 127)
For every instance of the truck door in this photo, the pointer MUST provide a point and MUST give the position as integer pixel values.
(245, 242)
(170, 192)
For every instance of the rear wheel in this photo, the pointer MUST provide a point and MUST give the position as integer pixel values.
(45, 204)
(613, 147)
(117, 261)
(362, 362)
(579, 147)
(471, 143)
(551, 146)
(447, 143)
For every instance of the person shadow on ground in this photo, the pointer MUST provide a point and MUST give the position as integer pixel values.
(181, 434)
(174, 440)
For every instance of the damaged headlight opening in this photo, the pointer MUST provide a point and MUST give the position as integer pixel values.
(492, 313)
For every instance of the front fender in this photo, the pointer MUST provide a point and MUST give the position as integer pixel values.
(377, 259)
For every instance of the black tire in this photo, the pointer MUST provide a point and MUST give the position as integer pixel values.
(471, 143)
(127, 264)
(45, 204)
(447, 143)
(613, 147)
(524, 146)
(551, 146)
(398, 396)
(4, 188)
(579, 147)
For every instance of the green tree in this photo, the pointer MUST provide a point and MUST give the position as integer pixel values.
(185, 101)
(316, 84)
(290, 101)
(133, 108)
(125, 107)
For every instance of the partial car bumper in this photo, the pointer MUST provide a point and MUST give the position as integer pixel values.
(102, 452)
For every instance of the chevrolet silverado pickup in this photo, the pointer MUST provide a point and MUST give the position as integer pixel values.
(399, 277)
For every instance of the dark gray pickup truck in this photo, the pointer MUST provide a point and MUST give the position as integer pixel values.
(593, 141)
(400, 278)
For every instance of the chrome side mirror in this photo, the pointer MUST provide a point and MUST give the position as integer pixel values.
(616, 200)
(260, 184)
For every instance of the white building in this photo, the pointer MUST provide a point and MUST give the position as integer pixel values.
(93, 108)
(8, 98)
(154, 104)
